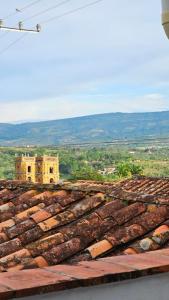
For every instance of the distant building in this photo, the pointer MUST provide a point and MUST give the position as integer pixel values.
(107, 171)
(41, 169)
(132, 152)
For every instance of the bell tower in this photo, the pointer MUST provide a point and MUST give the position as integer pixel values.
(40, 169)
(47, 169)
(25, 168)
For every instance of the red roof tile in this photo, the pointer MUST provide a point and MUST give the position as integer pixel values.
(16, 284)
(44, 225)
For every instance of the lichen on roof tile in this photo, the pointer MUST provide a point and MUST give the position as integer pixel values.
(48, 225)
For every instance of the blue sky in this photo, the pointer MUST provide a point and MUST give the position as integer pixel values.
(110, 57)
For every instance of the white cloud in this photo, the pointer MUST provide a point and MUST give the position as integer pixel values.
(102, 59)
(58, 108)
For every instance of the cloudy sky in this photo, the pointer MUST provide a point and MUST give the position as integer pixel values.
(109, 57)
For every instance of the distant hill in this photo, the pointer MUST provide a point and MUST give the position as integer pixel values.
(95, 128)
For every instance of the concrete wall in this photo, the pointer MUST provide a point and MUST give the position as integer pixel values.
(147, 288)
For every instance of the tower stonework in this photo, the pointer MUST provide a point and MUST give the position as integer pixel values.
(25, 168)
(39, 169)
(47, 169)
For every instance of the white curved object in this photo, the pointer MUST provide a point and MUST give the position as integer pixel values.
(165, 16)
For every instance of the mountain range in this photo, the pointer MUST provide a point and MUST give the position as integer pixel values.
(87, 129)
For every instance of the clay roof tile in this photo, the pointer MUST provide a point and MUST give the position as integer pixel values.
(46, 225)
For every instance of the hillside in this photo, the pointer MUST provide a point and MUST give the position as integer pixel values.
(95, 128)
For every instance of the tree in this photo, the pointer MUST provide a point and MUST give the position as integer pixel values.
(126, 169)
(86, 173)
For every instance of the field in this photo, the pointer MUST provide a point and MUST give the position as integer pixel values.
(106, 162)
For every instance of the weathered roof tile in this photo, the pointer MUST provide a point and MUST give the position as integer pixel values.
(10, 247)
(31, 235)
(63, 251)
(50, 224)
(127, 213)
(43, 245)
(20, 228)
(99, 248)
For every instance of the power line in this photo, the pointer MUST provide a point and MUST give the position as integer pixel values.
(46, 10)
(51, 19)
(30, 5)
(13, 43)
(70, 12)
(4, 35)
(13, 14)
(62, 15)
(21, 9)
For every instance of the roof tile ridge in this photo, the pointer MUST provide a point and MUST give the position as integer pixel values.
(139, 197)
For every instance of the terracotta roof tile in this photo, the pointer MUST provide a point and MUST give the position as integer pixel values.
(109, 208)
(86, 205)
(160, 230)
(49, 224)
(63, 251)
(44, 225)
(25, 196)
(127, 213)
(153, 241)
(99, 248)
(125, 234)
(19, 228)
(10, 247)
(41, 215)
(31, 235)
(151, 220)
(3, 237)
(28, 212)
(84, 274)
(43, 245)
(7, 224)
(40, 262)
(20, 257)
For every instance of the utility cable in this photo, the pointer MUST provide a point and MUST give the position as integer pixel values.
(30, 4)
(46, 10)
(53, 18)
(13, 43)
(62, 15)
(21, 9)
(4, 35)
(70, 12)
(16, 12)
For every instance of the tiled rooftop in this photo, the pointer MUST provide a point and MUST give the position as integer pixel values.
(84, 274)
(42, 226)
(62, 229)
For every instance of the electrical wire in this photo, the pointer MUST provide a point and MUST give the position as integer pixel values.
(13, 43)
(30, 4)
(46, 10)
(15, 13)
(70, 12)
(4, 35)
(51, 19)
(62, 15)
(21, 9)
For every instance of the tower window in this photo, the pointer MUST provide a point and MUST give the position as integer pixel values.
(51, 180)
(29, 169)
(51, 170)
(29, 179)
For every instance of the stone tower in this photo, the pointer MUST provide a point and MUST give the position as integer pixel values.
(40, 169)
(25, 168)
(47, 169)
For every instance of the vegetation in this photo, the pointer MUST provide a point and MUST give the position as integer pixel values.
(96, 163)
(96, 128)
